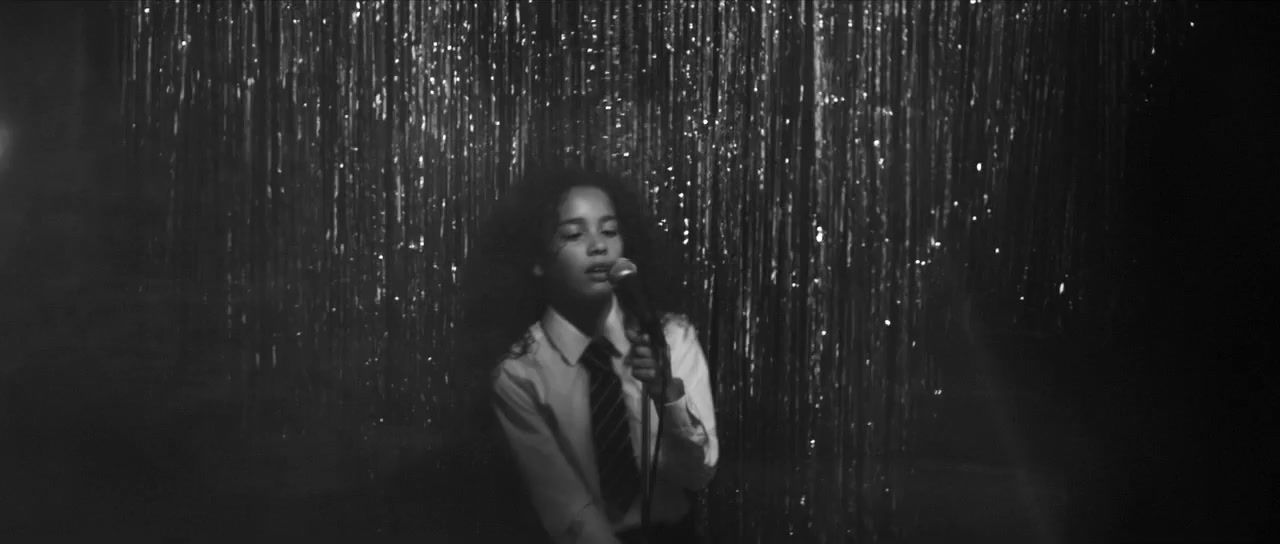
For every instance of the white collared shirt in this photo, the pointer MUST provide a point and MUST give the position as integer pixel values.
(542, 402)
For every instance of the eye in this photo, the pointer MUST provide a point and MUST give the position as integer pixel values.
(571, 235)
(610, 232)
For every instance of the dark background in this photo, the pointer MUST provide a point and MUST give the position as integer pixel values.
(1198, 385)
(1157, 428)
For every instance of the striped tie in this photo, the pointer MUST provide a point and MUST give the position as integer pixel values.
(610, 430)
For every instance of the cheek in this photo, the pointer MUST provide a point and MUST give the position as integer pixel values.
(556, 253)
(565, 260)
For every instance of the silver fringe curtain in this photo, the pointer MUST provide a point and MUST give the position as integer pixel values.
(836, 171)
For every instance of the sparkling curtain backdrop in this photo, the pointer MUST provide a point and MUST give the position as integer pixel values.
(846, 177)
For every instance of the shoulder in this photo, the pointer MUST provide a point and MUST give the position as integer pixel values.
(521, 362)
(676, 321)
(688, 361)
(678, 328)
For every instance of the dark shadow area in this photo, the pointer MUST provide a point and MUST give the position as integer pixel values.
(1212, 253)
(1188, 392)
(1152, 430)
(112, 424)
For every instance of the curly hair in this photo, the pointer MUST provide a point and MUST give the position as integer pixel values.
(500, 296)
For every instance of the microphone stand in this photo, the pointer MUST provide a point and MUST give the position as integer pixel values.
(646, 494)
(658, 341)
(650, 324)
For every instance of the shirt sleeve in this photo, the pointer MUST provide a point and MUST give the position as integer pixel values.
(690, 447)
(564, 505)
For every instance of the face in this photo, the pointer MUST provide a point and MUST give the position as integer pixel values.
(585, 245)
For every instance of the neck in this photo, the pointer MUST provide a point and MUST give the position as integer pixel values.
(587, 316)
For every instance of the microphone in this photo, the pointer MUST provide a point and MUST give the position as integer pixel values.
(624, 276)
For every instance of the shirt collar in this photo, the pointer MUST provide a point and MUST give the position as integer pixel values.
(570, 341)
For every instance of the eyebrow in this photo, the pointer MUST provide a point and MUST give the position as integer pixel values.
(581, 221)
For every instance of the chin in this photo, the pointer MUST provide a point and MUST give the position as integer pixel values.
(597, 292)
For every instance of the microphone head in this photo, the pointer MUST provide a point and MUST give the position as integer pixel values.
(622, 268)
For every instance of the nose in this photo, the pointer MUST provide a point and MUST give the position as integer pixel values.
(597, 246)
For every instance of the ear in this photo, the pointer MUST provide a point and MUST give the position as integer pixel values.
(537, 270)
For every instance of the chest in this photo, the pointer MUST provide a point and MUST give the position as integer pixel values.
(567, 397)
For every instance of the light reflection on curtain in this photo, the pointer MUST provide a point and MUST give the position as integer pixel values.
(837, 171)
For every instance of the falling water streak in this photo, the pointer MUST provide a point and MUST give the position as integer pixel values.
(846, 177)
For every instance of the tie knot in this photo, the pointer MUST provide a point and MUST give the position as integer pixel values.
(597, 355)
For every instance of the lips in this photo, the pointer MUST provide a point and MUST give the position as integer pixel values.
(598, 272)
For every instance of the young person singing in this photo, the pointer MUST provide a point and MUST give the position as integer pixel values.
(574, 371)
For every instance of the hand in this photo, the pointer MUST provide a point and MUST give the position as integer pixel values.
(651, 370)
